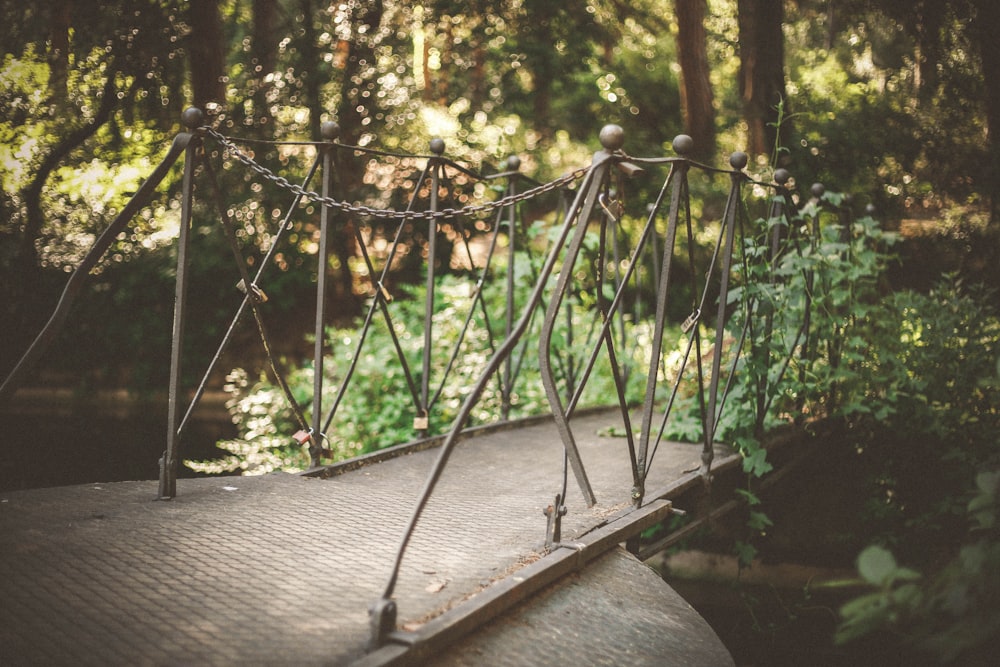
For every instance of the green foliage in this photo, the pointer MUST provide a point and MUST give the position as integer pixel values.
(930, 414)
(894, 591)
(910, 374)
(806, 313)
(376, 409)
(879, 101)
(492, 77)
(952, 614)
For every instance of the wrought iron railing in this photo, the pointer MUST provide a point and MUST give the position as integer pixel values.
(629, 275)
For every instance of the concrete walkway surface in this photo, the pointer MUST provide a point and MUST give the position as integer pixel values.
(281, 569)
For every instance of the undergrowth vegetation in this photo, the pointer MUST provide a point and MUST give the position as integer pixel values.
(376, 409)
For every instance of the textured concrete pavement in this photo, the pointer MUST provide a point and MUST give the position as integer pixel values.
(281, 569)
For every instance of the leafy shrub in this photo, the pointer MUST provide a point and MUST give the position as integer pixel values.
(952, 615)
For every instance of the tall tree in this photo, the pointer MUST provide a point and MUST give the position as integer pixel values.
(696, 87)
(358, 76)
(264, 57)
(58, 55)
(984, 27)
(309, 63)
(762, 77)
(208, 54)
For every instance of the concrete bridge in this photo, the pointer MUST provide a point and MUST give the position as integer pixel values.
(485, 552)
(281, 569)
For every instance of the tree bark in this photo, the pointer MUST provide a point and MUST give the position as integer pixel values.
(265, 54)
(697, 100)
(58, 54)
(357, 51)
(985, 25)
(309, 66)
(350, 117)
(208, 60)
(930, 18)
(539, 15)
(762, 77)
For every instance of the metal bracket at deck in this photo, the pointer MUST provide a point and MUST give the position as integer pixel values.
(553, 527)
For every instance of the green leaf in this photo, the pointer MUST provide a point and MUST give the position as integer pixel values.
(749, 496)
(759, 521)
(745, 552)
(876, 565)
(756, 463)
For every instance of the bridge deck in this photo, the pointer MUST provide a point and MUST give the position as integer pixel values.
(280, 569)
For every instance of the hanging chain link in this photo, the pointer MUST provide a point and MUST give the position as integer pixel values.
(467, 211)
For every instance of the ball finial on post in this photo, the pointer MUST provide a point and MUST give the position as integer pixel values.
(782, 176)
(513, 163)
(329, 130)
(818, 190)
(612, 137)
(437, 146)
(683, 145)
(192, 117)
(739, 160)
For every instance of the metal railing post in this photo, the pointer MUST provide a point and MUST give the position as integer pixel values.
(513, 165)
(677, 180)
(421, 422)
(168, 463)
(330, 131)
(738, 161)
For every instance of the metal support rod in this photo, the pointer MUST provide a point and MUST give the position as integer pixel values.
(508, 375)
(676, 179)
(227, 338)
(421, 422)
(329, 131)
(775, 211)
(738, 161)
(612, 142)
(169, 461)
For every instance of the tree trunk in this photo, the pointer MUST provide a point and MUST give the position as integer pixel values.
(23, 310)
(208, 61)
(985, 25)
(27, 253)
(542, 61)
(350, 117)
(696, 88)
(762, 77)
(58, 55)
(357, 51)
(929, 17)
(265, 54)
(309, 69)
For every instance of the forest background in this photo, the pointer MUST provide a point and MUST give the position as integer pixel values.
(896, 104)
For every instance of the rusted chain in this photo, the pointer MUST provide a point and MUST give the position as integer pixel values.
(359, 209)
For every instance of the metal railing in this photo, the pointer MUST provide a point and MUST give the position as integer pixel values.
(628, 273)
